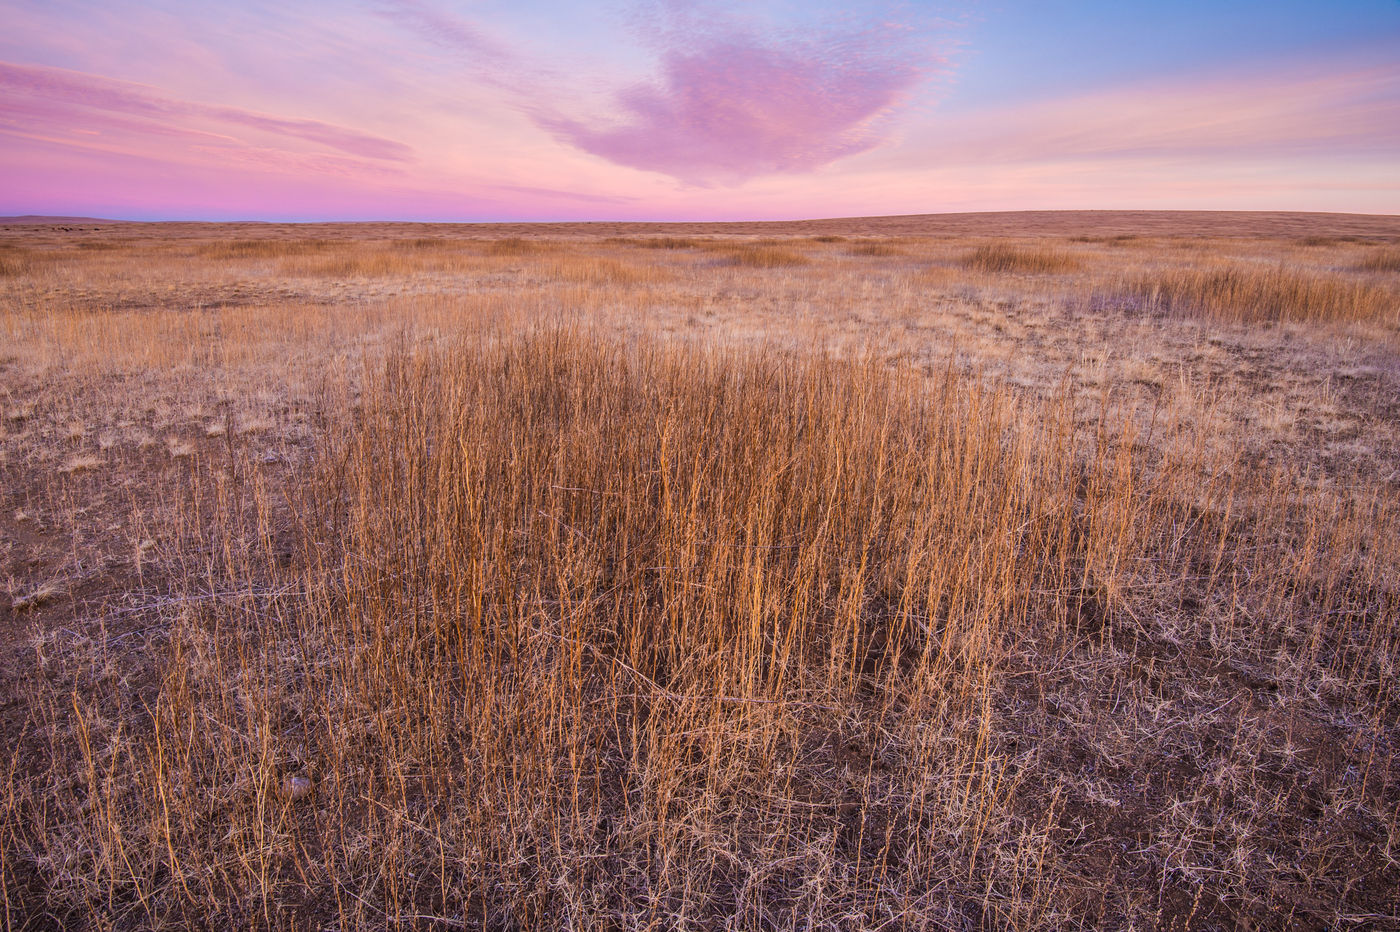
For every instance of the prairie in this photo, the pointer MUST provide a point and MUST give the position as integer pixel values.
(1023, 571)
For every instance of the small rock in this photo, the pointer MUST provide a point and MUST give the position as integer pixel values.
(297, 787)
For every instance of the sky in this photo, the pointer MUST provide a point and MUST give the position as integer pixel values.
(468, 110)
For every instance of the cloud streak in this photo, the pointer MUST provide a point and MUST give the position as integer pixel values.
(1327, 108)
(446, 31)
(32, 95)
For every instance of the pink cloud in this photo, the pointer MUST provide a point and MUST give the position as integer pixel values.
(733, 104)
(734, 98)
(52, 176)
(31, 95)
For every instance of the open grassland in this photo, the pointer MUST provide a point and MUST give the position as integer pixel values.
(877, 575)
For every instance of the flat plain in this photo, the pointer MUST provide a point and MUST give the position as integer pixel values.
(1004, 571)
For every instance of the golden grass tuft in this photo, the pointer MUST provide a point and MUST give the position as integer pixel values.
(17, 262)
(1119, 239)
(1004, 258)
(760, 255)
(664, 242)
(874, 249)
(1381, 260)
(1319, 240)
(1265, 294)
(519, 246)
(37, 598)
(584, 610)
(262, 248)
(601, 272)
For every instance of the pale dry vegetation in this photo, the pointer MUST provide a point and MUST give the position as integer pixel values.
(1381, 260)
(876, 249)
(759, 255)
(1267, 294)
(1006, 257)
(459, 582)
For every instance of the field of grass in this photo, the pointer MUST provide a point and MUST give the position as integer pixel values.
(860, 575)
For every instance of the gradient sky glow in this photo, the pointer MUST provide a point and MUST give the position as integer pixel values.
(669, 110)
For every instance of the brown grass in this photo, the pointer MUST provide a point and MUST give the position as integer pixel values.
(1381, 260)
(662, 242)
(1266, 294)
(875, 249)
(16, 262)
(1122, 239)
(582, 587)
(516, 246)
(760, 255)
(1004, 258)
(263, 248)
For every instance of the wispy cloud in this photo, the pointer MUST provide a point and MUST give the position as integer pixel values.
(1334, 108)
(733, 102)
(445, 30)
(32, 95)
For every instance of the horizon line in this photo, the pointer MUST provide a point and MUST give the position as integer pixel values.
(19, 219)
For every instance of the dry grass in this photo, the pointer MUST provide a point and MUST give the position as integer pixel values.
(516, 246)
(875, 249)
(760, 254)
(263, 248)
(16, 262)
(1121, 239)
(1003, 258)
(1267, 294)
(838, 595)
(1381, 260)
(661, 242)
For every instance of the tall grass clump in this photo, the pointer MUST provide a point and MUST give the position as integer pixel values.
(580, 629)
(264, 248)
(572, 631)
(875, 249)
(760, 255)
(665, 242)
(1265, 294)
(599, 271)
(15, 262)
(1386, 259)
(517, 246)
(1002, 258)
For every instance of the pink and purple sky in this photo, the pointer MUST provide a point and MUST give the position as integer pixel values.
(668, 110)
